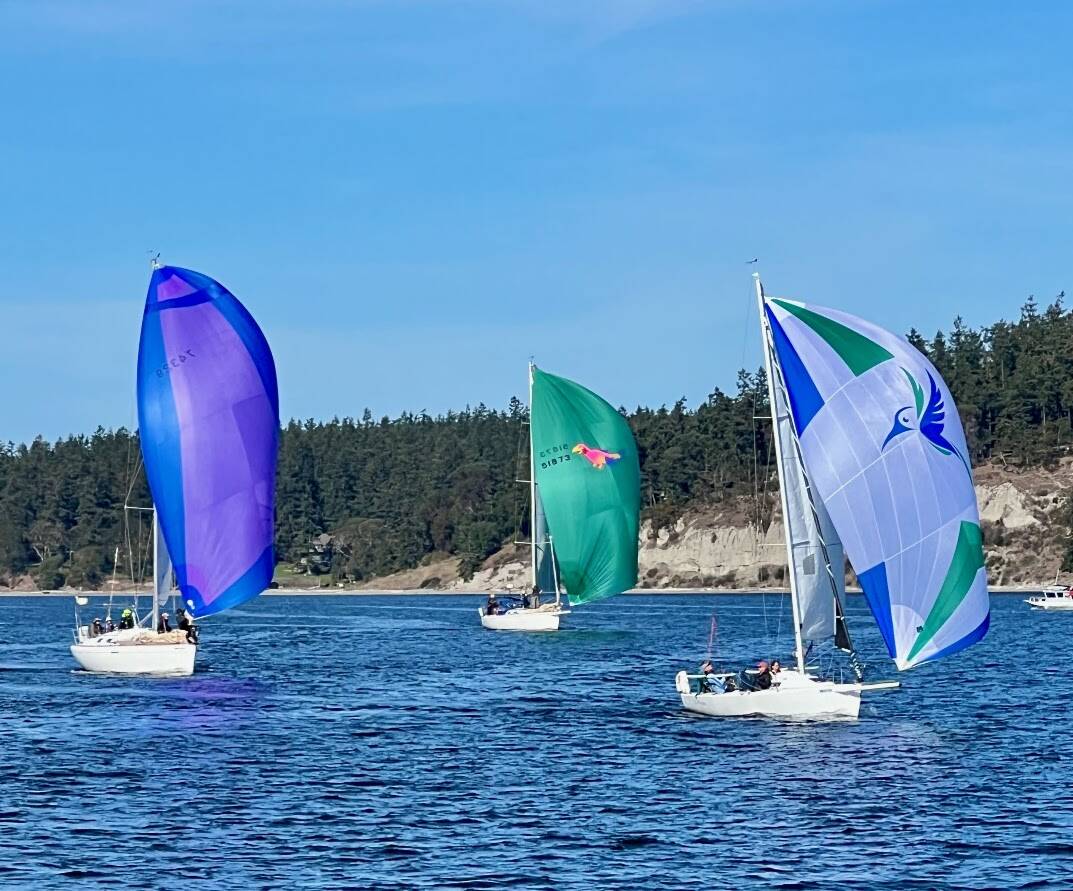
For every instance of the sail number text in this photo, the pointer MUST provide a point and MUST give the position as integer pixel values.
(556, 454)
(175, 362)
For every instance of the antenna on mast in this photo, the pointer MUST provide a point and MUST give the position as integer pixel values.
(154, 259)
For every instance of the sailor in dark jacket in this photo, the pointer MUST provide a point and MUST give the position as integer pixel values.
(762, 679)
(184, 624)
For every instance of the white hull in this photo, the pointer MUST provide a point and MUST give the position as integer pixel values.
(1057, 603)
(795, 696)
(546, 618)
(120, 653)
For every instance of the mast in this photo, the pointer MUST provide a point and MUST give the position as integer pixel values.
(765, 334)
(154, 264)
(157, 542)
(533, 555)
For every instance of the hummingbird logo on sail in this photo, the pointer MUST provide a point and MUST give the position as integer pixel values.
(598, 458)
(927, 419)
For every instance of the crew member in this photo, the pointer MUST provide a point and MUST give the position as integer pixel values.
(710, 683)
(762, 679)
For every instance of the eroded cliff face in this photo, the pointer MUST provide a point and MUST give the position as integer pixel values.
(1020, 512)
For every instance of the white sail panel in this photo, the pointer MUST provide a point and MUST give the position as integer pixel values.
(162, 569)
(886, 453)
(545, 568)
(813, 583)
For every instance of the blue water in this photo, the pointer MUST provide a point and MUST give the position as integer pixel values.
(390, 742)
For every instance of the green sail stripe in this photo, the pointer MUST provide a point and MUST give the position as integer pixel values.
(968, 559)
(918, 392)
(857, 351)
(592, 503)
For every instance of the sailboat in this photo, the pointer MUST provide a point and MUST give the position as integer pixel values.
(139, 649)
(208, 414)
(872, 465)
(584, 502)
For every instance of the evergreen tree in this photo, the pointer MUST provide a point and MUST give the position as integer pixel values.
(393, 491)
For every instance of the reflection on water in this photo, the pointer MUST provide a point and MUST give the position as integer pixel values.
(390, 742)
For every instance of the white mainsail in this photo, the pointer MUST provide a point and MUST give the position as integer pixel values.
(162, 574)
(814, 552)
(544, 565)
(816, 558)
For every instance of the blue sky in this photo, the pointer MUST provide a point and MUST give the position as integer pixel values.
(413, 197)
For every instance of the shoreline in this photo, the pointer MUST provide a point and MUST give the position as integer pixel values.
(421, 592)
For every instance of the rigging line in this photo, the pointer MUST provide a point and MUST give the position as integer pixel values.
(745, 330)
(711, 636)
(757, 507)
(128, 543)
(518, 508)
(147, 557)
(778, 628)
(133, 478)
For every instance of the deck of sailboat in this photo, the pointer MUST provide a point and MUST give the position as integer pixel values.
(793, 695)
(542, 618)
(139, 650)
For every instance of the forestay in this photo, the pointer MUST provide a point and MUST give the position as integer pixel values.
(886, 454)
(208, 412)
(588, 477)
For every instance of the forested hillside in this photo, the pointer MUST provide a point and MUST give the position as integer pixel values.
(392, 491)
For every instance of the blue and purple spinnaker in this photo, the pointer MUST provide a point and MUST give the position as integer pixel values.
(208, 411)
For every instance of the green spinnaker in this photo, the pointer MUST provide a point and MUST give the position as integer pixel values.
(589, 479)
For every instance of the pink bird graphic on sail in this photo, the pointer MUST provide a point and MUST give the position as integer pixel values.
(598, 458)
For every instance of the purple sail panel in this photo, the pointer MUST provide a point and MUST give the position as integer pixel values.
(209, 416)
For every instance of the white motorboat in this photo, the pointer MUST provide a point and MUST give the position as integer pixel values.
(1053, 597)
(903, 504)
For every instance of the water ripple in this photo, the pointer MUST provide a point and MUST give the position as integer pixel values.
(389, 742)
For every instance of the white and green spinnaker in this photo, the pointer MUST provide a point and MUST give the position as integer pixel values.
(587, 491)
(885, 454)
